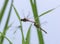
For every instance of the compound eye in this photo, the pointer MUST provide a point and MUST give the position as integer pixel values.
(21, 19)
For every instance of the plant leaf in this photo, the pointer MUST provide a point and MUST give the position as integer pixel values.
(35, 13)
(8, 40)
(3, 9)
(7, 21)
(23, 41)
(16, 12)
(28, 35)
(5, 37)
(47, 12)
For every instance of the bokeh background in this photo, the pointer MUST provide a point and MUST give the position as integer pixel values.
(50, 22)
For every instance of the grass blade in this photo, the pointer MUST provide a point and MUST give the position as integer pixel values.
(47, 12)
(23, 41)
(3, 9)
(16, 12)
(8, 40)
(5, 37)
(28, 35)
(5, 28)
(44, 13)
(35, 13)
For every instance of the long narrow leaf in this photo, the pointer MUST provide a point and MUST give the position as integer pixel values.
(3, 9)
(44, 13)
(8, 40)
(5, 28)
(16, 12)
(47, 12)
(23, 41)
(35, 13)
(28, 35)
(5, 37)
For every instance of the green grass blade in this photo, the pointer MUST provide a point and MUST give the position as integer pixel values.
(3, 9)
(8, 40)
(35, 13)
(16, 12)
(5, 37)
(0, 13)
(44, 13)
(23, 41)
(7, 21)
(47, 12)
(0, 16)
(28, 35)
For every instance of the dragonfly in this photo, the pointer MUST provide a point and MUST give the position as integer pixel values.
(35, 24)
(38, 26)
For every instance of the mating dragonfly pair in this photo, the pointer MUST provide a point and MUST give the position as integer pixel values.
(35, 24)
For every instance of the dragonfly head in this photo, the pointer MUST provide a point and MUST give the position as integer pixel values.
(24, 20)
